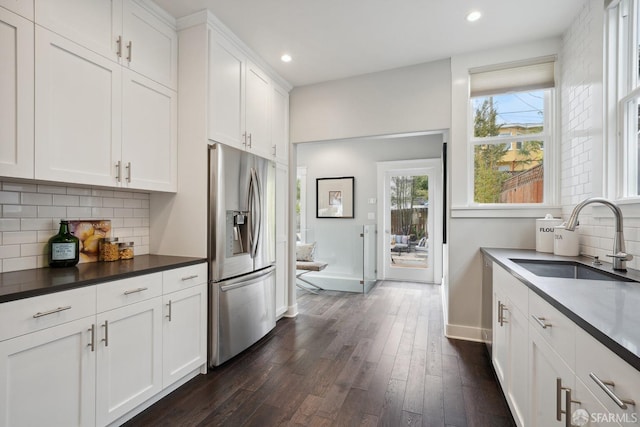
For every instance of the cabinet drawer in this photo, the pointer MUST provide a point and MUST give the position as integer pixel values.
(553, 326)
(33, 314)
(184, 277)
(128, 291)
(510, 288)
(594, 357)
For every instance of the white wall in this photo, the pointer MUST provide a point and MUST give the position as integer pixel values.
(408, 99)
(471, 228)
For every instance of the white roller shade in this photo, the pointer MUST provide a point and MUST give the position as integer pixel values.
(513, 77)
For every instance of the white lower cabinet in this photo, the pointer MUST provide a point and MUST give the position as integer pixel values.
(47, 378)
(94, 355)
(561, 360)
(184, 332)
(129, 358)
(510, 353)
(551, 384)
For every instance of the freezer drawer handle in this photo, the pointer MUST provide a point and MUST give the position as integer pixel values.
(193, 276)
(55, 310)
(232, 286)
(622, 403)
(133, 291)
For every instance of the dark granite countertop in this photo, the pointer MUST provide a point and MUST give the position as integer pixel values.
(607, 310)
(40, 281)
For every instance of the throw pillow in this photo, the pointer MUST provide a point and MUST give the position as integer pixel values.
(304, 252)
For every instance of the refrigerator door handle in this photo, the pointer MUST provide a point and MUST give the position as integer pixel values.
(255, 205)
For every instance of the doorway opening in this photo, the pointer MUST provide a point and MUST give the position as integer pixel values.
(410, 244)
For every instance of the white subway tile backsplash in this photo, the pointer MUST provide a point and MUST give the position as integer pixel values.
(78, 212)
(36, 199)
(22, 263)
(9, 224)
(31, 215)
(18, 237)
(9, 197)
(65, 200)
(19, 211)
(52, 212)
(25, 188)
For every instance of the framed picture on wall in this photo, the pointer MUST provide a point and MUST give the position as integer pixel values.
(334, 197)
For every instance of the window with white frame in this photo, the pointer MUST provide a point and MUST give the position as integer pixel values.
(623, 96)
(511, 127)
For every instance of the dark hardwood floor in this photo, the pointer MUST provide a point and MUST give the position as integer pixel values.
(379, 359)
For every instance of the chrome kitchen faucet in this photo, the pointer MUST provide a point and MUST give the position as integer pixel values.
(620, 255)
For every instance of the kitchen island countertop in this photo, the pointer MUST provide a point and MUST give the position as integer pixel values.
(607, 310)
(21, 284)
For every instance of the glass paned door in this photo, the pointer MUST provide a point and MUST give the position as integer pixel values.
(408, 226)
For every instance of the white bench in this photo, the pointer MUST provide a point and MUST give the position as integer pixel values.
(304, 267)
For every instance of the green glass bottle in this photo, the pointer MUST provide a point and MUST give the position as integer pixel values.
(64, 247)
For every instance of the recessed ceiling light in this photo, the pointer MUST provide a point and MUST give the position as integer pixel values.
(473, 16)
(285, 58)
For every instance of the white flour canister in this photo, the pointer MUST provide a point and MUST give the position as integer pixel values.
(544, 233)
(566, 243)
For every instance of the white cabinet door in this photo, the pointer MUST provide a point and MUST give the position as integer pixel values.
(47, 378)
(150, 46)
(548, 399)
(517, 380)
(499, 340)
(16, 96)
(77, 112)
(280, 124)
(226, 92)
(129, 349)
(95, 25)
(184, 338)
(149, 135)
(23, 8)
(258, 111)
(282, 222)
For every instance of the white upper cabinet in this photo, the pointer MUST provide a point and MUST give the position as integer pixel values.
(280, 124)
(149, 135)
(21, 7)
(78, 112)
(226, 92)
(258, 111)
(149, 46)
(239, 99)
(16, 95)
(96, 25)
(120, 30)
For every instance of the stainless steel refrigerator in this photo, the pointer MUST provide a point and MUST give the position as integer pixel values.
(241, 239)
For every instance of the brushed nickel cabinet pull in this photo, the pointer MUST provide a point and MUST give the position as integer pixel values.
(244, 139)
(249, 138)
(567, 405)
(106, 333)
(622, 403)
(130, 50)
(128, 168)
(275, 148)
(119, 49)
(92, 343)
(133, 291)
(501, 309)
(193, 276)
(169, 315)
(541, 321)
(54, 311)
(119, 171)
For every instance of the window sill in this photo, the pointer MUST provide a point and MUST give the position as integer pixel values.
(630, 209)
(502, 211)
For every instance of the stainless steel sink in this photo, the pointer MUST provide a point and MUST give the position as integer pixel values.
(567, 270)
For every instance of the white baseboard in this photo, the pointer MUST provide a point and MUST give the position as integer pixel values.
(292, 311)
(460, 332)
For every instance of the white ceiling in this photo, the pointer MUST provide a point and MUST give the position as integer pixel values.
(332, 39)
